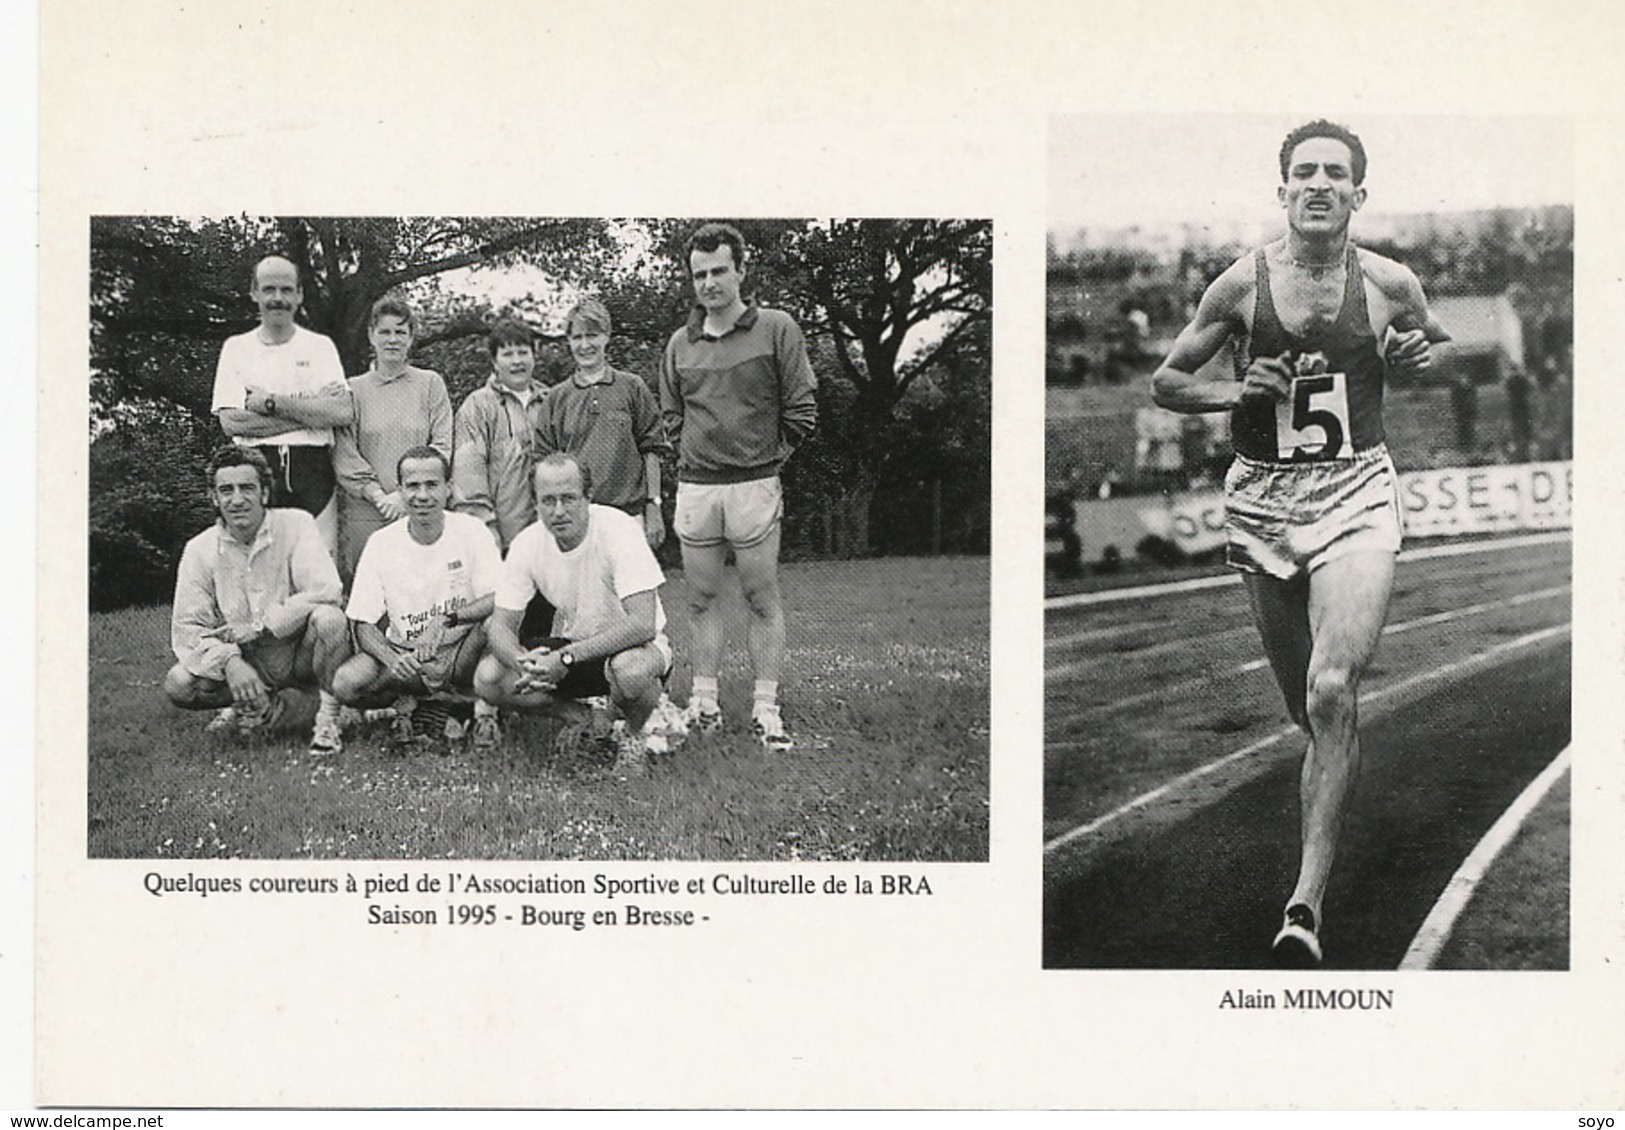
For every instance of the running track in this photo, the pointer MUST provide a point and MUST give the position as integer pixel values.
(1171, 782)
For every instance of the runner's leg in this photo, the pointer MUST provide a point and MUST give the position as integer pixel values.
(703, 571)
(1348, 602)
(1281, 611)
(759, 577)
(634, 681)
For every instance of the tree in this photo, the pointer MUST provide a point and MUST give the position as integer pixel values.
(897, 299)
(166, 291)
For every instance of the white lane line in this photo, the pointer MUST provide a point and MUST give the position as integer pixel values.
(1463, 549)
(1067, 670)
(1375, 697)
(1441, 920)
(1149, 651)
(1090, 635)
(1111, 596)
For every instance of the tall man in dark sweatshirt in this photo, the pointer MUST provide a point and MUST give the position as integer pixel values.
(737, 394)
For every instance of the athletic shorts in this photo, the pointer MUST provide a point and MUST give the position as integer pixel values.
(275, 660)
(738, 514)
(1286, 519)
(587, 678)
(301, 475)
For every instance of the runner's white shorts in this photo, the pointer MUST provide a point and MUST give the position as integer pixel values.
(1284, 519)
(740, 514)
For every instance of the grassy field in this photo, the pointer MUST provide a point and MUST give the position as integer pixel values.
(885, 692)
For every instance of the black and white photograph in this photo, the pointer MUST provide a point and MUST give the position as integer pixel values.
(565, 580)
(1308, 561)
(539, 539)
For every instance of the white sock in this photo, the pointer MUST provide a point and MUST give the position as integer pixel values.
(483, 709)
(329, 707)
(705, 690)
(766, 697)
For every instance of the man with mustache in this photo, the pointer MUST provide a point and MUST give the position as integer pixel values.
(256, 608)
(1315, 324)
(280, 388)
(423, 590)
(608, 638)
(739, 396)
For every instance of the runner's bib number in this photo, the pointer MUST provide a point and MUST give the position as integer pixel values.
(1313, 423)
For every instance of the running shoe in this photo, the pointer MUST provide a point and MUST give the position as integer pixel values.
(266, 718)
(224, 721)
(768, 727)
(579, 739)
(328, 736)
(666, 729)
(402, 733)
(487, 732)
(702, 714)
(1297, 946)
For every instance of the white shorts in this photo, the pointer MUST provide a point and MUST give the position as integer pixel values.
(738, 514)
(1289, 518)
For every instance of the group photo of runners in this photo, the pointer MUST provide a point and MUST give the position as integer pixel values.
(1308, 543)
(539, 538)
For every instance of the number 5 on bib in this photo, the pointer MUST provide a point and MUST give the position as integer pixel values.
(1313, 423)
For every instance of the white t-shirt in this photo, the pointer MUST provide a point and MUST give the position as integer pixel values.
(418, 584)
(307, 364)
(587, 584)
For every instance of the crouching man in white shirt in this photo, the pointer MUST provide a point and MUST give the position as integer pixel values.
(593, 563)
(423, 590)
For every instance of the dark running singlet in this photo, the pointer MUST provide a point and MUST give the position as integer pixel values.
(1336, 405)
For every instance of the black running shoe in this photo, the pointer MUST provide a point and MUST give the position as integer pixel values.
(1297, 946)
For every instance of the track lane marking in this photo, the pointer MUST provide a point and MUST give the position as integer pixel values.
(1146, 799)
(1197, 584)
(1069, 669)
(1458, 893)
(1154, 623)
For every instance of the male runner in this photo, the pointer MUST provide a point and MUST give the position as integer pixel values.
(423, 590)
(280, 388)
(737, 392)
(256, 608)
(594, 564)
(1311, 499)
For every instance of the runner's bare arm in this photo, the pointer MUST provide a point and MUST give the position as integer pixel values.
(1412, 328)
(637, 629)
(370, 638)
(1410, 305)
(239, 423)
(331, 408)
(474, 611)
(502, 635)
(1175, 384)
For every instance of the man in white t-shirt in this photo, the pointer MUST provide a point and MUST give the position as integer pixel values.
(280, 388)
(594, 564)
(423, 589)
